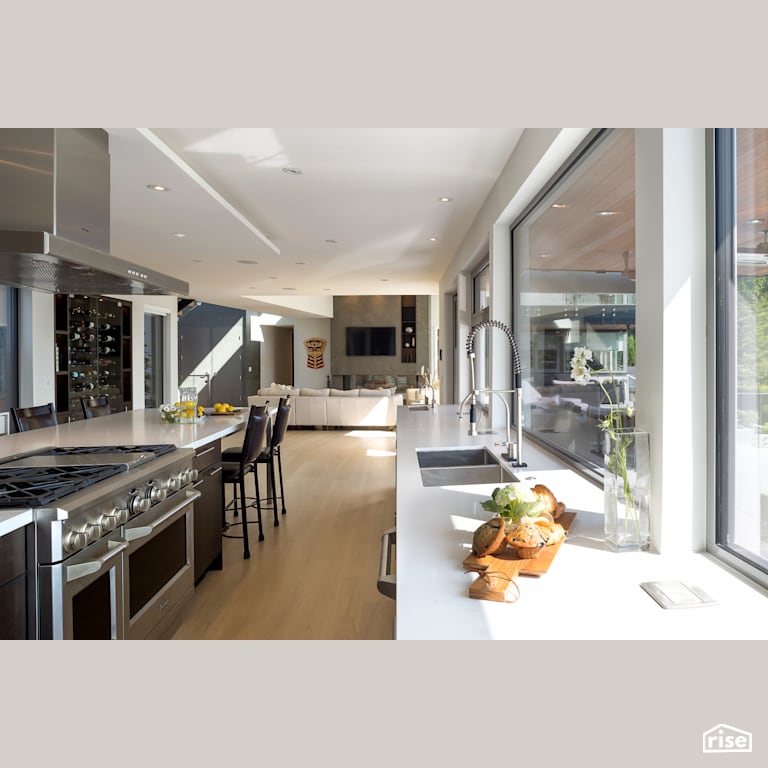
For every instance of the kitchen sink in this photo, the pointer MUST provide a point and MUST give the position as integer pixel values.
(455, 457)
(418, 407)
(490, 473)
(461, 466)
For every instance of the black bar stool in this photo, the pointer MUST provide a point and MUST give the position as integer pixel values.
(271, 455)
(35, 417)
(235, 473)
(96, 405)
(232, 455)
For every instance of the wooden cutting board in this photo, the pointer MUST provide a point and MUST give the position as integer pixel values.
(498, 571)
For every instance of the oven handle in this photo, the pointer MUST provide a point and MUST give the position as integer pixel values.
(81, 570)
(141, 531)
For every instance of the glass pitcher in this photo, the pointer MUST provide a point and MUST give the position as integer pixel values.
(187, 405)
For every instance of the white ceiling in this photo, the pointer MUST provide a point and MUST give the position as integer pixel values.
(375, 191)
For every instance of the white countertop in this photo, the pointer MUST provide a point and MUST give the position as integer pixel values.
(590, 592)
(140, 427)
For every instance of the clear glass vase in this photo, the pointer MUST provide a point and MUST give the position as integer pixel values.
(627, 464)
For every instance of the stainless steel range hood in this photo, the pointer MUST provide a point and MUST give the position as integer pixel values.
(54, 216)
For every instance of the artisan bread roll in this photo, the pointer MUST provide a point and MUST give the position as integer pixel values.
(489, 538)
(532, 534)
(546, 496)
(552, 505)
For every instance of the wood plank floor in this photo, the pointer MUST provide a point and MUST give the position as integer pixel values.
(314, 576)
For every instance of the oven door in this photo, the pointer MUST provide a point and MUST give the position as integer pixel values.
(81, 598)
(159, 568)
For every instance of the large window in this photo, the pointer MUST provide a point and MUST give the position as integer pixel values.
(574, 281)
(741, 355)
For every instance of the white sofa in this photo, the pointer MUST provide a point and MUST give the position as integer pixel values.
(335, 407)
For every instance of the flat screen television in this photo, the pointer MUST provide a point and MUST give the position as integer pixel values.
(370, 341)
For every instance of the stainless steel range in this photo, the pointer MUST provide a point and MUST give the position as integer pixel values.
(114, 536)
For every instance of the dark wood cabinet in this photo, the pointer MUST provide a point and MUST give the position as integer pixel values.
(209, 510)
(93, 352)
(17, 585)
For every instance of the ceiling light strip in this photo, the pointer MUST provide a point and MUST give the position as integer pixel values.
(203, 184)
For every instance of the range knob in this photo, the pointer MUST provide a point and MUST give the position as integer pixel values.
(107, 522)
(83, 534)
(75, 540)
(138, 504)
(110, 520)
(174, 483)
(155, 492)
(190, 475)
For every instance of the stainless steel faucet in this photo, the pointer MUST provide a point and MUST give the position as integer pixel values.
(514, 452)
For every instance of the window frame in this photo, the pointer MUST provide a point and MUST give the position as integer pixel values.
(722, 365)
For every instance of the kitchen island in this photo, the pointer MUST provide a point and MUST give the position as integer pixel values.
(99, 535)
(140, 427)
(589, 593)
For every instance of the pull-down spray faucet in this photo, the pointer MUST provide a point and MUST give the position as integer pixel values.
(514, 451)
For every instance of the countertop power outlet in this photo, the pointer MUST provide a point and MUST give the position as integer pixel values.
(677, 594)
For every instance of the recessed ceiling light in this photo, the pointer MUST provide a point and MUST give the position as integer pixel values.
(332, 242)
(272, 277)
(178, 234)
(198, 261)
(560, 205)
(384, 279)
(445, 199)
(289, 289)
(756, 221)
(432, 239)
(300, 263)
(158, 188)
(545, 255)
(246, 261)
(606, 213)
(292, 171)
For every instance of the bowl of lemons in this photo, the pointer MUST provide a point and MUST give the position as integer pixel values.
(224, 409)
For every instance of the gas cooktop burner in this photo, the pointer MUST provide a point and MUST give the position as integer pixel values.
(157, 450)
(40, 486)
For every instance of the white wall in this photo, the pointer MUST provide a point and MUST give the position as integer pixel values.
(274, 346)
(307, 328)
(36, 348)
